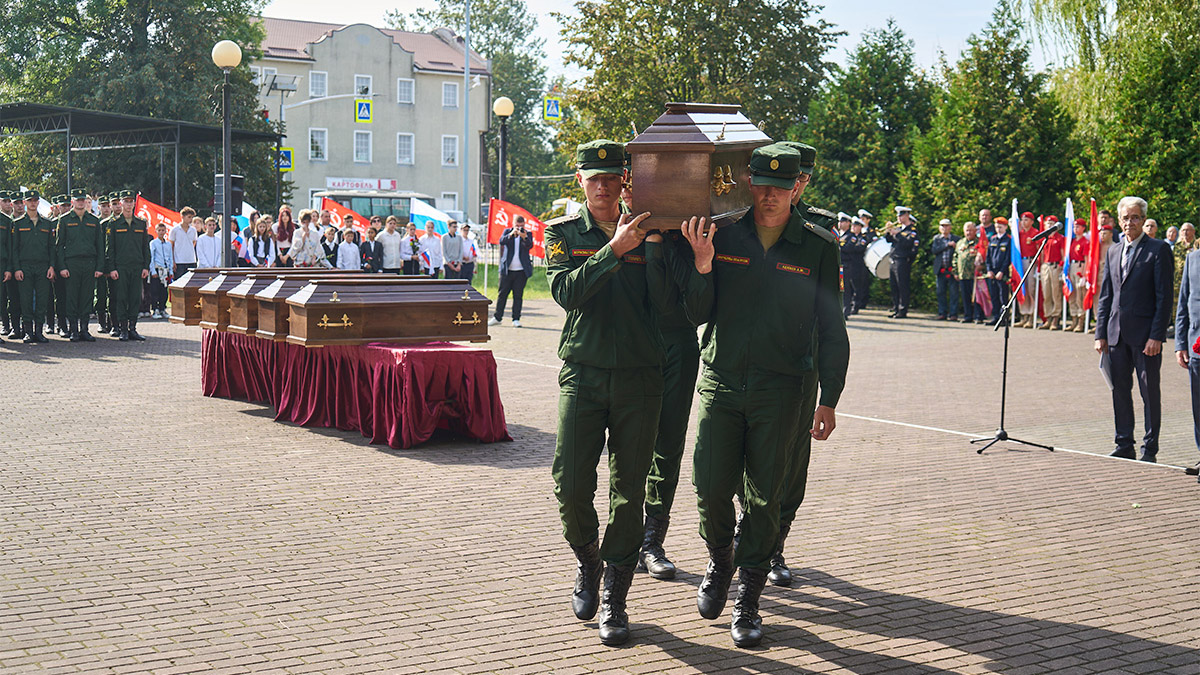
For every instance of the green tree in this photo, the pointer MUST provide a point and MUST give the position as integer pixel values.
(864, 122)
(767, 55)
(138, 57)
(502, 31)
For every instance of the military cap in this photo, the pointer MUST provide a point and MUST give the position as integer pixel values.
(31, 194)
(125, 194)
(78, 193)
(1002, 220)
(843, 216)
(1106, 226)
(1027, 214)
(1081, 221)
(114, 195)
(863, 213)
(944, 221)
(5, 194)
(776, 165)
(58, 199)
(902, 209)
(102, 198)
(856, 221)
(600, 156)
(808, 155)
(1052, 219)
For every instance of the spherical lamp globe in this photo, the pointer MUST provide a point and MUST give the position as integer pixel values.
(226, 54)
(503, 107)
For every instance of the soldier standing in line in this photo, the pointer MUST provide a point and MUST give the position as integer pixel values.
(761, 285)
(32, 250)
(127, 262)
(1051, 277)
(5, 272)
(79, 249)
(101, 299)
(611, 380)
(1024, 238)
(54, 303)
(904, 250)
(114, 205)
(1078, 272)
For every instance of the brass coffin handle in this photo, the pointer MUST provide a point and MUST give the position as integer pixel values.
(460, 321)
(326, 323)
(199, 304)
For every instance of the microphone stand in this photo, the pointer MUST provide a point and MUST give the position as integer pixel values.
(1006, 320)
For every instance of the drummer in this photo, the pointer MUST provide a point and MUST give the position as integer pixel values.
(865, 216)
(862, 284)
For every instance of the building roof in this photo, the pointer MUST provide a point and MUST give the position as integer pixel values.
(440, 50)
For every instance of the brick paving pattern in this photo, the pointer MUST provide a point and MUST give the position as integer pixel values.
(149, 529)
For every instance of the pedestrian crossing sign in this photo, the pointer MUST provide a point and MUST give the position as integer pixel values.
(552, 108)
(362, 110)
(285, 159)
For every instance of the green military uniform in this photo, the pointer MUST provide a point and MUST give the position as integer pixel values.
(54, 308)
(32, 252)
(104, 284)
(5, 238)
(79, 250)
(127, 252)
(611, 380)
(679, 370)
(765, 312)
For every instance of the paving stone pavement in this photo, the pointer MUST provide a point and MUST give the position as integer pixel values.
(146, 528)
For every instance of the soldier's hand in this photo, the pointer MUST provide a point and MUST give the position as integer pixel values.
(628, 235)
(145, 274)
(66, 274)
(50, 273)
(1181, 357)
(99, 274)
(7, 276)
(824, 422)
(20, 275)
(113, 275)
(701, 240)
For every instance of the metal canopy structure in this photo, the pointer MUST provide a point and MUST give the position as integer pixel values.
(88, 130)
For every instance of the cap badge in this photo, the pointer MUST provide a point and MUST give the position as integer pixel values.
(602, 153)
(774, 164)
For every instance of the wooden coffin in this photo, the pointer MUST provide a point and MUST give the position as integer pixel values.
(694, 161)
(243, 305)
(184, 292)
(352, 311)
(273, 313)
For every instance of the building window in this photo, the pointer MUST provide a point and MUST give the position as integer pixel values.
(318, 84)
(318, 144)
(449, 150)
(448, 201)
(362, 85)
(314, 202)
(268, 74)
(255, 75)
(406, 90)
(404, 149)
(449, 94)
(362, 147)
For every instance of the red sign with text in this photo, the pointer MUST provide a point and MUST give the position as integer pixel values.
(502, 215)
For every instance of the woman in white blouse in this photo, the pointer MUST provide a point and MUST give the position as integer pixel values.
(260, 249)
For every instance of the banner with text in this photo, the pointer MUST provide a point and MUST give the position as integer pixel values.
(154, 214)
(502, 215)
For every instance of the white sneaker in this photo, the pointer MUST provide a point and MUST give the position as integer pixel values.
(516, 323)
(493, 321)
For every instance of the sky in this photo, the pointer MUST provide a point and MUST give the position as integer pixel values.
(935, 26)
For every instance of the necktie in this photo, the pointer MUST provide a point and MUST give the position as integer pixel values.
(1125, 260)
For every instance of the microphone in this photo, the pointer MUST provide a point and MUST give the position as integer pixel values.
(1058, 227)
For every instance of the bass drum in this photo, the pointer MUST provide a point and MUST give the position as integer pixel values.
(879, 258)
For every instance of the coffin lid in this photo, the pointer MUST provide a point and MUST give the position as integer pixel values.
(256, 281)
(322, 291)
(699, 127)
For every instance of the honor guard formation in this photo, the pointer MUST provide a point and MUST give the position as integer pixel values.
(58, 270)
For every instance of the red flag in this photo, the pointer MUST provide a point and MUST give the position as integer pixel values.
(1093, 261)
(154, 214)
(502, 215)
(338, 213)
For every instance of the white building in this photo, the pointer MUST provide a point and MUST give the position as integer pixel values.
(414, 141)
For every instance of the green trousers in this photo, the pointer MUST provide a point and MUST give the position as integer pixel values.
(102, 294)
(79, 288)
(797, 472)
(126, 294)
(35, 292)
(679, 384)
(625, 403)
(745, 435)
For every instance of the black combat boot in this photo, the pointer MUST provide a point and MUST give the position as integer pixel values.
(714, 590)
(64, 328)
(586, 595)
(746, 627)
(780, 575)
(27, 329)
(652, 557)
(37, 333)
(19, 332)
(133, 334)
(614, 622)
(73, 330)
(102, 320)
(82, 330)
(121, 327)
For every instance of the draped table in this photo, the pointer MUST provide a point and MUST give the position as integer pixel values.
(394, 394)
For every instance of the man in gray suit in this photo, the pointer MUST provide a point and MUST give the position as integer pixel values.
(1187, 331)
(1132, 314)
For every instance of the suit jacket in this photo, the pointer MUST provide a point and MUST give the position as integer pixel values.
(372, 255)
(1187, 314)
(1137, 306)
(510, 242)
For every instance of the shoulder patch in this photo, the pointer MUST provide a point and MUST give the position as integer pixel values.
(556, 252)
(822, 212)
(563, 220)
(820, 232)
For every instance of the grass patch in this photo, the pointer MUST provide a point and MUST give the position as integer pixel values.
(536, 288)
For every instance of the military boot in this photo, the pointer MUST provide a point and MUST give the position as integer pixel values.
(38, 336)
(614, 622)
(652, 556)
(64, 327)
(73, 330)
(18, 330)
(746, 627)
(122, 330)
(714, 590)
(586, 595)
(82, 327)
(133, 334)
(102, 320)
(780, 575)
(114, 327)
(27, 329)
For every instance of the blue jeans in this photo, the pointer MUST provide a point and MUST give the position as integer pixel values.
(971, 310)
(947, 296)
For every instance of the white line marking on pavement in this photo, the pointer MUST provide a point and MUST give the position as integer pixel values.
(528, 363)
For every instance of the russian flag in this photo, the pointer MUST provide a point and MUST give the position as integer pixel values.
(426, 260)
(1068, 286)
(422, 213)
(1014, 249)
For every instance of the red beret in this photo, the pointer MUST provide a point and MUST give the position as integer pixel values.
(1081, 221)
(1028, 215)
(1002, 220)
(1053, 219)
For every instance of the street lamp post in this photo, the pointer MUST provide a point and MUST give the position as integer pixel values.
(503, 107)
(226, 55)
